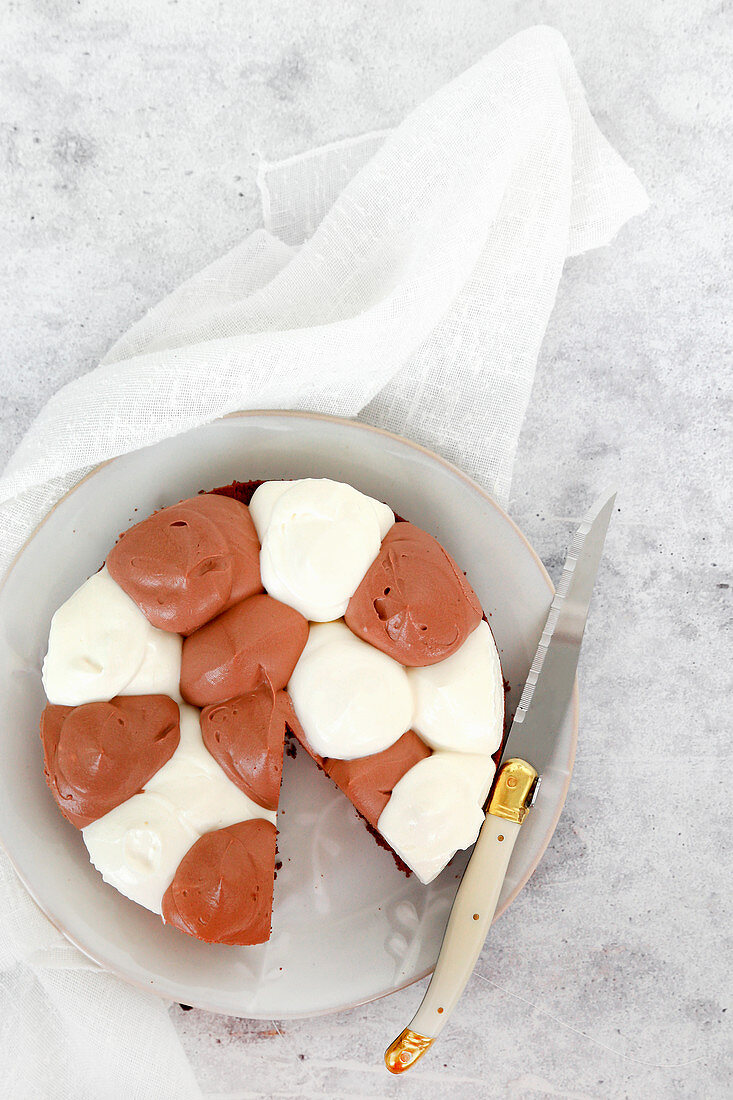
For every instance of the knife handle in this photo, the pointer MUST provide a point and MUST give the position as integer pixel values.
(471, 916)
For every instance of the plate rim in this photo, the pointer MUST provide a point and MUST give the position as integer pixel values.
(348, 422)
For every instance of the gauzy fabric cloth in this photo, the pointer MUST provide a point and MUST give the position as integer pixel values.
(405, 278)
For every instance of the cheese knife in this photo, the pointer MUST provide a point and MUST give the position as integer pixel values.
(541, 710)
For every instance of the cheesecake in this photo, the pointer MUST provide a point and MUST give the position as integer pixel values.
(223, 626)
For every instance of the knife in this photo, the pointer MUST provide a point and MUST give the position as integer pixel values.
(541, 709)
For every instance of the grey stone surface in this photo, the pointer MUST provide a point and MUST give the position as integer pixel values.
(130, 135)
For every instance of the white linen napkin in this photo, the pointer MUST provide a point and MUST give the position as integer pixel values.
(403, 277)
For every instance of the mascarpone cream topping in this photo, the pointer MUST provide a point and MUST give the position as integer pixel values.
(101, 645)
(189, 562)
(198, 836)
(350, 699)
(160, 672)
(245, 735)
(193, 782)
(99, 754)
(414, 603)
(222, 889)
(138, 846)
(459, 703)
(318, 538)
(436, 808)
(256, 639)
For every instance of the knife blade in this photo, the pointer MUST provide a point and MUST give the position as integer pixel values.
(550, 680)
(541, 709)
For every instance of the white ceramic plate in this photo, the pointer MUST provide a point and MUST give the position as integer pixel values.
(347, 925)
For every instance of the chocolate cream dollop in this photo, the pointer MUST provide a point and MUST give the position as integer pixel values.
(414, 603)
(259, 637)
(187, 563)
(245, 735)
(98, 755)
(222, 889)
(368, 781)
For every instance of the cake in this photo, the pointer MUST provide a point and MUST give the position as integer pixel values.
(223, 625)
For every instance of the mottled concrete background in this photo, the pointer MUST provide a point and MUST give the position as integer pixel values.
(130, 134)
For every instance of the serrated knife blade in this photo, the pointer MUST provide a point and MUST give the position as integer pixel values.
(527, 753)
(549, 684)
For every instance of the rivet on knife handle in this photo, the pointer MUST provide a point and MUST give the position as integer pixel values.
(514, 791)
(405, 1050)
(471, 915)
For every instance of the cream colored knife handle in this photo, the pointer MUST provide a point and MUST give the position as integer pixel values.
(471, 916)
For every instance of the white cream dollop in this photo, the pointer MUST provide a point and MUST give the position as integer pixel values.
(351, 699)
(318, 539)
(437, 808)
(137, 846)
(459, 702)
(193, 781)
(101, 645)
(160, 672)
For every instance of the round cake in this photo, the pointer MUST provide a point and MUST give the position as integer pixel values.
(226, 623)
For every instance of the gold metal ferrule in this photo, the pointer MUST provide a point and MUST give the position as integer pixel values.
(405, 1050)
(511, 797)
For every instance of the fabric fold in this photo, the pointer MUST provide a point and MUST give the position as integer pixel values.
(427, 282)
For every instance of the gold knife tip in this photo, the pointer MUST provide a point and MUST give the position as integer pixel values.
(407, 1049)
